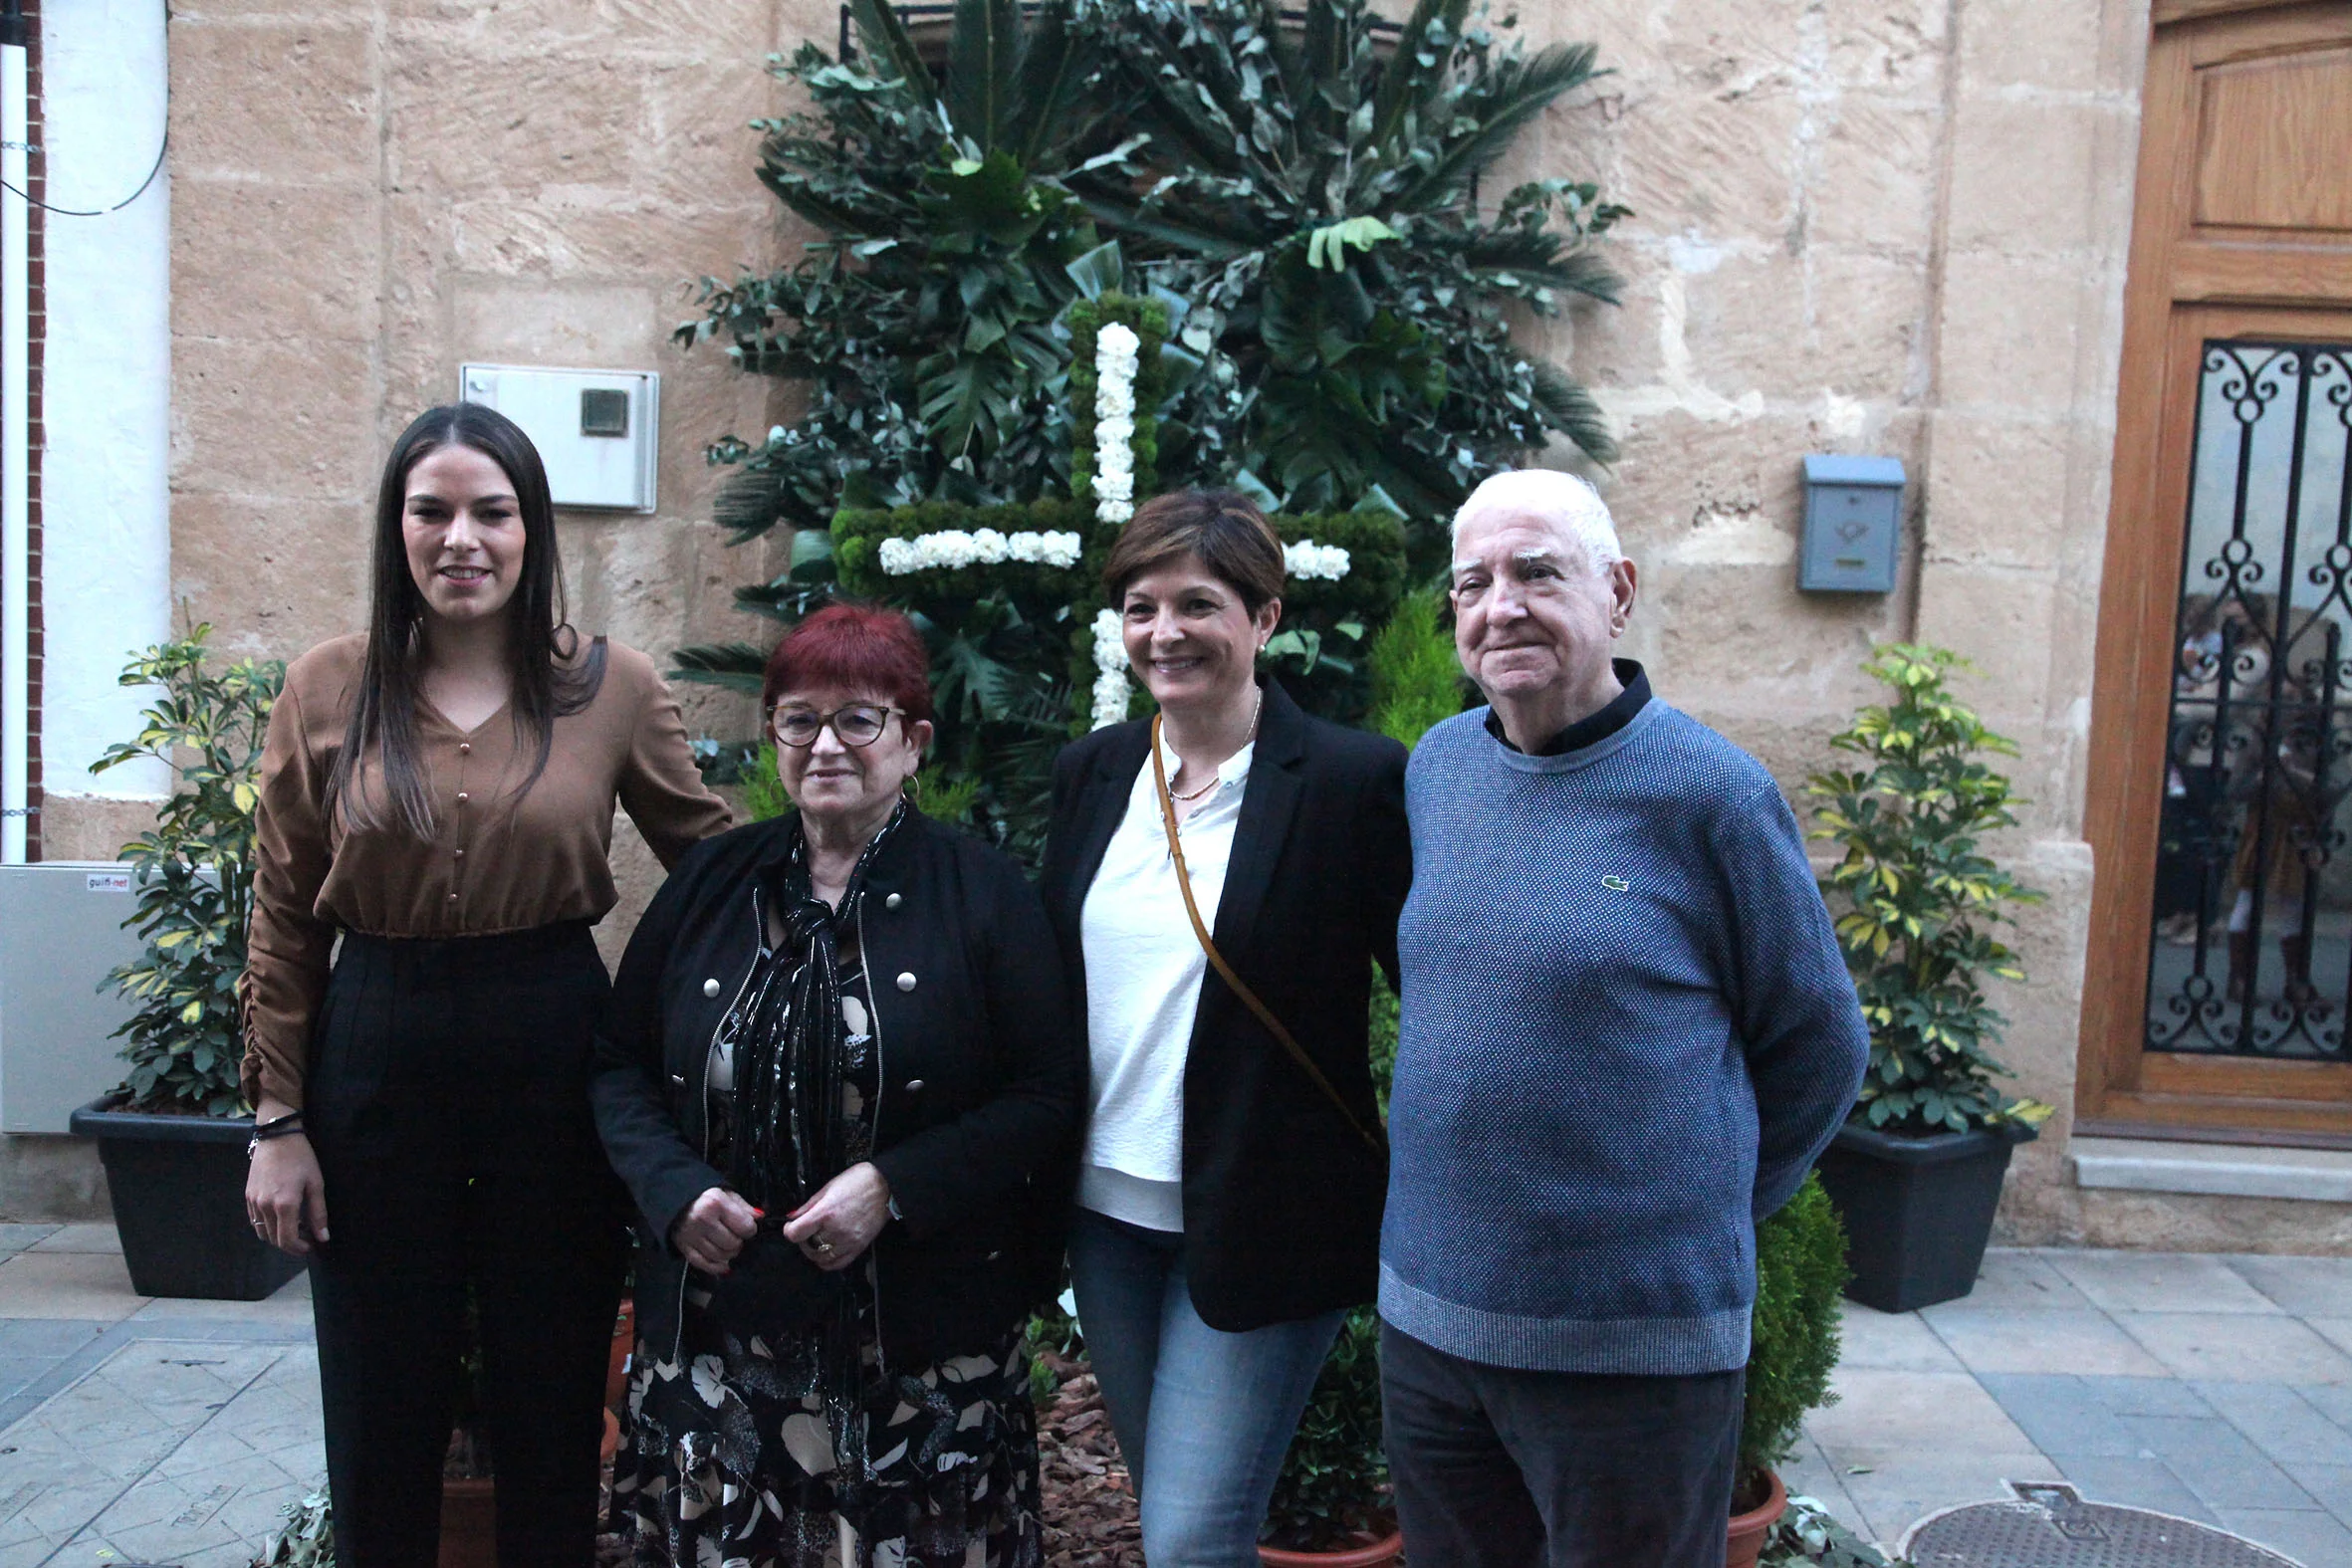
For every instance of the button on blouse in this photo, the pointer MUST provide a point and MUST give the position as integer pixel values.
(510, 860)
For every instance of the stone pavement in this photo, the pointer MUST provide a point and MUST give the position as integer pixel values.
(138, 1432)
(2215, 1388)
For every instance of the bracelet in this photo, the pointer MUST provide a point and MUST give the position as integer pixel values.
(277, 1127)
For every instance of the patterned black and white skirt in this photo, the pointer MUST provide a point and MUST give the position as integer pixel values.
(730, 1459)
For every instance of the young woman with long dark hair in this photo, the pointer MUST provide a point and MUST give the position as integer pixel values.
(439, 791)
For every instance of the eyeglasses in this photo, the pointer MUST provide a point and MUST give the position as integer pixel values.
(854, 724)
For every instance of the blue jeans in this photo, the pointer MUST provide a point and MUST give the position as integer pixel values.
(1203, 1417)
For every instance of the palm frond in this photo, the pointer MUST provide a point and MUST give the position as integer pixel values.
(1569, 408)
(847, 219)
(886, 36)
(1171, 110)
(738, 666)
(1179, 233)
(754, 500)
(1334, 40)
(1517, 89)
(983, 68)
(1406, 83)
(965, 401)
(1323, 50)
(1053, 72)
(1564, 271)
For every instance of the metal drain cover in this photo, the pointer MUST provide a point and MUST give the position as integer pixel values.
(2049, 1525)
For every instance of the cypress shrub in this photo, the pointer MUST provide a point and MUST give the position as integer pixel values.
(1801, 1268)
(1416, 680)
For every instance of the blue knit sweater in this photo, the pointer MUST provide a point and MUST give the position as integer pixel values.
(1628, 1033)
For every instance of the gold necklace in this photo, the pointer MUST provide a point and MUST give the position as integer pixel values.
(1175, 793)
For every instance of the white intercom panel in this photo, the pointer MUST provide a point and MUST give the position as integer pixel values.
(597, 431)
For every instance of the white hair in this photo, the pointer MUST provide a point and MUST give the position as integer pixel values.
(1568, 502)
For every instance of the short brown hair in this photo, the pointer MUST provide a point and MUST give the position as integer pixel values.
(1222, 528)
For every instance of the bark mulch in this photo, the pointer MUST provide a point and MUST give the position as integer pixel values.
(1088, 1503)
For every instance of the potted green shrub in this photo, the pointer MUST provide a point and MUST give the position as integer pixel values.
(172, 1133)
(1330, 1506)
(1915, 1172)
(1800, 1265)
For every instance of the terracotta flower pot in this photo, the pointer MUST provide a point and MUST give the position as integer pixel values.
(1380, 1554)
(469, 1524)
(1750, 1529)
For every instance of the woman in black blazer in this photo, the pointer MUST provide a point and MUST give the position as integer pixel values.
(839, 1080)
(1229, 1194)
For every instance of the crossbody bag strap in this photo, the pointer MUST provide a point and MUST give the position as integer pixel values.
(1159, 774)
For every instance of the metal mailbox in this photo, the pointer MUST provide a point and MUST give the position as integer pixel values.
(1853, 525)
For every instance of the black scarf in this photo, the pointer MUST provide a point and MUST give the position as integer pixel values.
(790, 1130)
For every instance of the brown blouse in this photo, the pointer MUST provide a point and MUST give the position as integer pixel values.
(495, 862)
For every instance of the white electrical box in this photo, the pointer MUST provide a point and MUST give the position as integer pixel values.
(60, 933)
(597, 431)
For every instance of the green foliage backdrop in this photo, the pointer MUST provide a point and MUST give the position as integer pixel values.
(1297, 195)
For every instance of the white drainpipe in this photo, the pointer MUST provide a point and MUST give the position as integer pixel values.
(16, 689)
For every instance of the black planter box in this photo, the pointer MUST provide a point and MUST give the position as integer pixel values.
(178, 1187)
(1917, 1210)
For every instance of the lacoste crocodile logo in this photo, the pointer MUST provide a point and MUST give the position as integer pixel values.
(1616, 884)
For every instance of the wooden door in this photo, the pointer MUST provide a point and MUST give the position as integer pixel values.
(2220, 814)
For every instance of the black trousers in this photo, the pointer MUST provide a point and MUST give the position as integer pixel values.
(1501, 1468)
(447, 1100)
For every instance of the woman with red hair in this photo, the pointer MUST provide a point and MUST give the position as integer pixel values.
(839, 1056)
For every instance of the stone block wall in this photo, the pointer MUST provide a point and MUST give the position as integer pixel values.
(367, 196)
(1899, 227)
(1894, 226)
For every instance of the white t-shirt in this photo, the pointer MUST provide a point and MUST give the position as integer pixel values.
(1144, 969)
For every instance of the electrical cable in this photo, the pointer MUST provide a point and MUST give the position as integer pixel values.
(100, 212)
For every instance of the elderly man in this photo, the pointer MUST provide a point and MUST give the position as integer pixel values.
(1627, 1033)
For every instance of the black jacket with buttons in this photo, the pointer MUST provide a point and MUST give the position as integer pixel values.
(1281, 1199)
(981, 1079)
